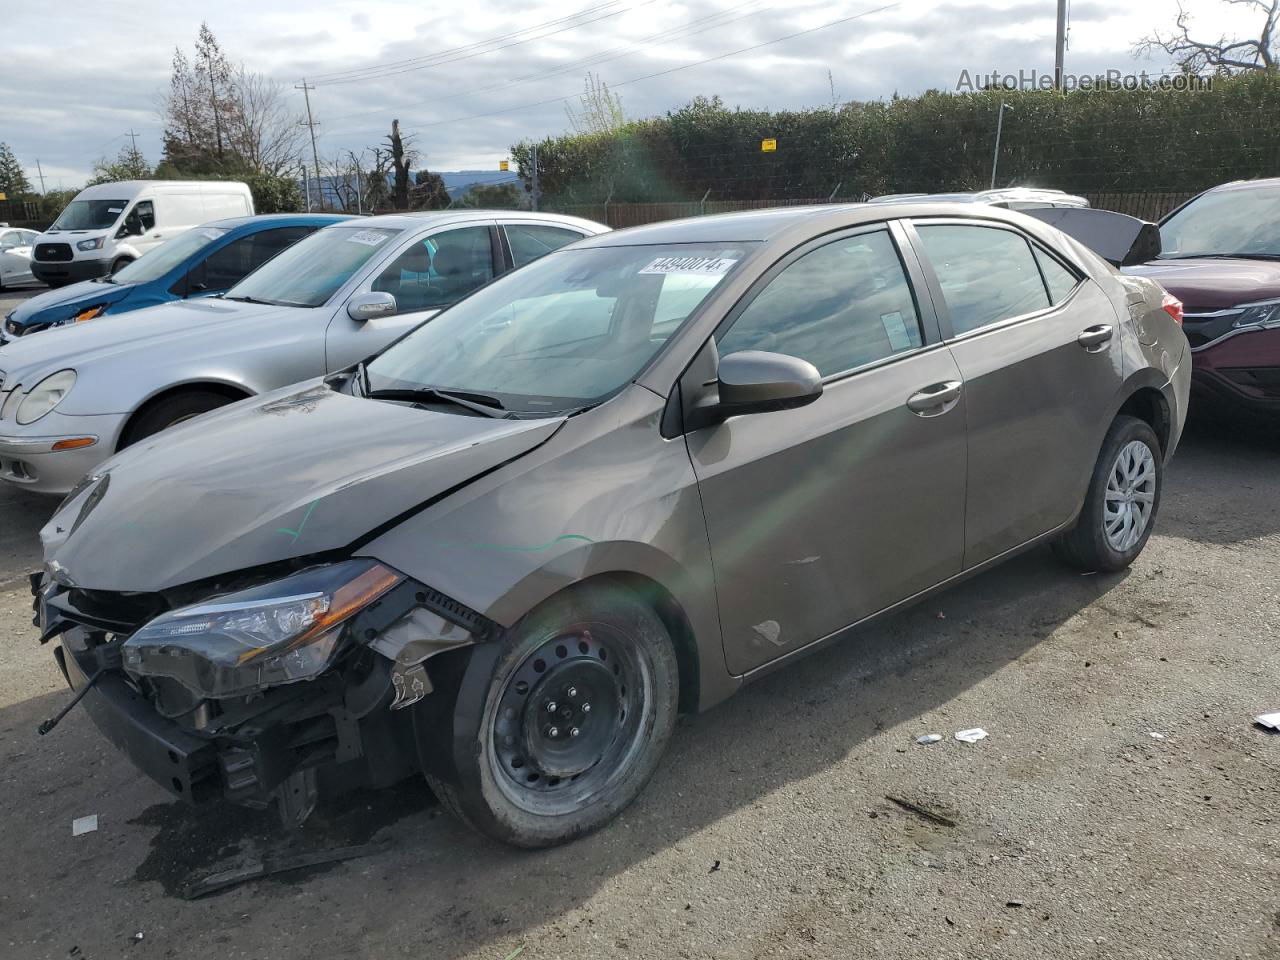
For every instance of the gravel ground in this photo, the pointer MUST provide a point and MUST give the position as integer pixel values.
(1070, 832)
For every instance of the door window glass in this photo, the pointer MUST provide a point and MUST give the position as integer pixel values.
(224, 268)
(529, 241)
(987, 274)
(145, 211)
(841, 306)
(1057, 278)
(439, 270)
(10, 238)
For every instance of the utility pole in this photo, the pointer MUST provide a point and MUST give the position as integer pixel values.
(1061, 45)
(133, 138)
(995, 159)
(533, 177)
(306, 89)
(40, 174)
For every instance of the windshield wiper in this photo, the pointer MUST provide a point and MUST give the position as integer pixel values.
(477, 402)
(267, 303)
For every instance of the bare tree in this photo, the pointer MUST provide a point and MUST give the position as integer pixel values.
(261, 128)
(377, 193)
(599, 109)
(402, 157)
(1226, 54)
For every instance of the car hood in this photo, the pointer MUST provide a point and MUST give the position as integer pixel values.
(29, 359)
(1214, 283)
(297, 472)
(68, 301)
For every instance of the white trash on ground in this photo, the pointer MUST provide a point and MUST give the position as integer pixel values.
(1269, 720)
(84, 825)
(929, 738)
(971, 736)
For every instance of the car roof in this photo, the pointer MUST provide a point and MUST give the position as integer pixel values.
(416, 219)
(781, 223)
(1246, 184)
(280, 220)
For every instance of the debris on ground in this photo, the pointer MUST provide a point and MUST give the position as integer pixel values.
(82, 825)
(929, 738)
(925, 812)
(714, 867)
(515, 953)
(137, 936)
(1013, 903)
(1155, 736)
(971, 736)
(270, 865)
(1270, 721)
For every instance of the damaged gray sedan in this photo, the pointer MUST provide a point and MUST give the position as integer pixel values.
(609, 487)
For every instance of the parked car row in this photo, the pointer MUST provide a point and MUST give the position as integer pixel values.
(498, 526)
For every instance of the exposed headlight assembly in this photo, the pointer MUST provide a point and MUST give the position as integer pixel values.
(94, 244)
(45, 396)
(89, 313)
(278, 633)
(1263, 314)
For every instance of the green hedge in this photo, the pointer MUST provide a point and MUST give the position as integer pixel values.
(1083, 142)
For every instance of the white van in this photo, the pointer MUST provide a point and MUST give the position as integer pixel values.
(112, 224)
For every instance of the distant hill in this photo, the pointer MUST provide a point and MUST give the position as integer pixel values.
(458, 182)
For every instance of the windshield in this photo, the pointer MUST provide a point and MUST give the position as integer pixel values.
(564, 332)
(168, 255)
(1244, 222)
(309, 272)
(89, 215)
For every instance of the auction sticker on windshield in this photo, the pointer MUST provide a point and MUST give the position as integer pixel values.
(369, 238)
(713, 266)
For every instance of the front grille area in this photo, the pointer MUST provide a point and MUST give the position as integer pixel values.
(53, 252)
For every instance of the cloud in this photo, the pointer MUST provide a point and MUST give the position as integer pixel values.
(71, 94)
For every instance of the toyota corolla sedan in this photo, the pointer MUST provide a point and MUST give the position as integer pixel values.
(72, 397)
(615, 485)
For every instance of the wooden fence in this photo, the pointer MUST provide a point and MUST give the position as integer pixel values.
(1145, 206)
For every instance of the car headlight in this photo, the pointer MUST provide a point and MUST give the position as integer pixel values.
(89, 313)
(278, 633)
(94, 244)
(1263, 314)
(46, 395)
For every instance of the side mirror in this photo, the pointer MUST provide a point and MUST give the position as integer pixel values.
(370, 306)
(754, 381)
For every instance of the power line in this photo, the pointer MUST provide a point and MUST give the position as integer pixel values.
(671, 70)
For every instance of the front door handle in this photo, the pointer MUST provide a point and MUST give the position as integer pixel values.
(934, 399)
(1095, 338)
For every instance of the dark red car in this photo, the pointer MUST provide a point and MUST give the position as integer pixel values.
(1220, 255)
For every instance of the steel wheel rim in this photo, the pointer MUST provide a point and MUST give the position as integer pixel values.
(1130, 496)
(537, 761)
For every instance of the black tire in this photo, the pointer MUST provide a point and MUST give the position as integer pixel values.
(1086, 545)
(505, 776)
(170, 411)
(119, 264)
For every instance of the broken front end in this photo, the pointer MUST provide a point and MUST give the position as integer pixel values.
(261, 689)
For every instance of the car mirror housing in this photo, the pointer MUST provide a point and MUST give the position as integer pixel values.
(369, 306)
(755, 381)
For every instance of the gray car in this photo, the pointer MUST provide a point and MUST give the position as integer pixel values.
(71, 399)
(612, 486)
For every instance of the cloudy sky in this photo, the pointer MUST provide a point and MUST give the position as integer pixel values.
(74, 81)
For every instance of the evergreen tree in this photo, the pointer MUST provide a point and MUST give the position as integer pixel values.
(13, 182)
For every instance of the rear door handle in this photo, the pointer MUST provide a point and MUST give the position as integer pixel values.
(934, 399)
(1093, 338)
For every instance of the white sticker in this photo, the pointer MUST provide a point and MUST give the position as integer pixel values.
(115, 209)
(212, 234)
(369, 238)
(705, 266)
(895, 328)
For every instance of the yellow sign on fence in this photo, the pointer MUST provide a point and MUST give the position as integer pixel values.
(504, 166)
(768, 146)
(4, 196)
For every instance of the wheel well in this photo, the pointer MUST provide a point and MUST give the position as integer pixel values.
(1149, 405)
(231, 393)
(674, 619)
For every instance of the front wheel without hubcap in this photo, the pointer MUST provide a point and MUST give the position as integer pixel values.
(579, 702)
(1120, 508)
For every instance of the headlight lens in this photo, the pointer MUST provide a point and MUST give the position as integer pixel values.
(94, 244)
(46, 395)
(88, 313)
(278, 633)
(1266, 313)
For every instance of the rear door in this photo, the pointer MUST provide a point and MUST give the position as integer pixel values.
(821, 516)
(425, 276)
(527, 241)
(1038, 346)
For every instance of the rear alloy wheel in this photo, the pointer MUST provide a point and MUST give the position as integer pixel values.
(577, 707)
(1124, 496)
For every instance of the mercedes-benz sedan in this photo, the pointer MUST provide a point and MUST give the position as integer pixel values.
(614, 485)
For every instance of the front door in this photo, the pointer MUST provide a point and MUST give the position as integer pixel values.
(823, 515)
(428, 275)
(1038, 345)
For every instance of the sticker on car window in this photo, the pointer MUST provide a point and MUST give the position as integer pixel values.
(705, 266)
(114, 209)
(370, 238)
(895, 328)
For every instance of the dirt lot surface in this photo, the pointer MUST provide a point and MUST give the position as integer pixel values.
(1071, 831)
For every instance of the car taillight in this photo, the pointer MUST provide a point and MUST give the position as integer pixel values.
(1173, 307)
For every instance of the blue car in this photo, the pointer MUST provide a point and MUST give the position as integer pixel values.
(202, 262)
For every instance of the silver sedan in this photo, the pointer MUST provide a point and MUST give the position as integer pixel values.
(72, 398)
